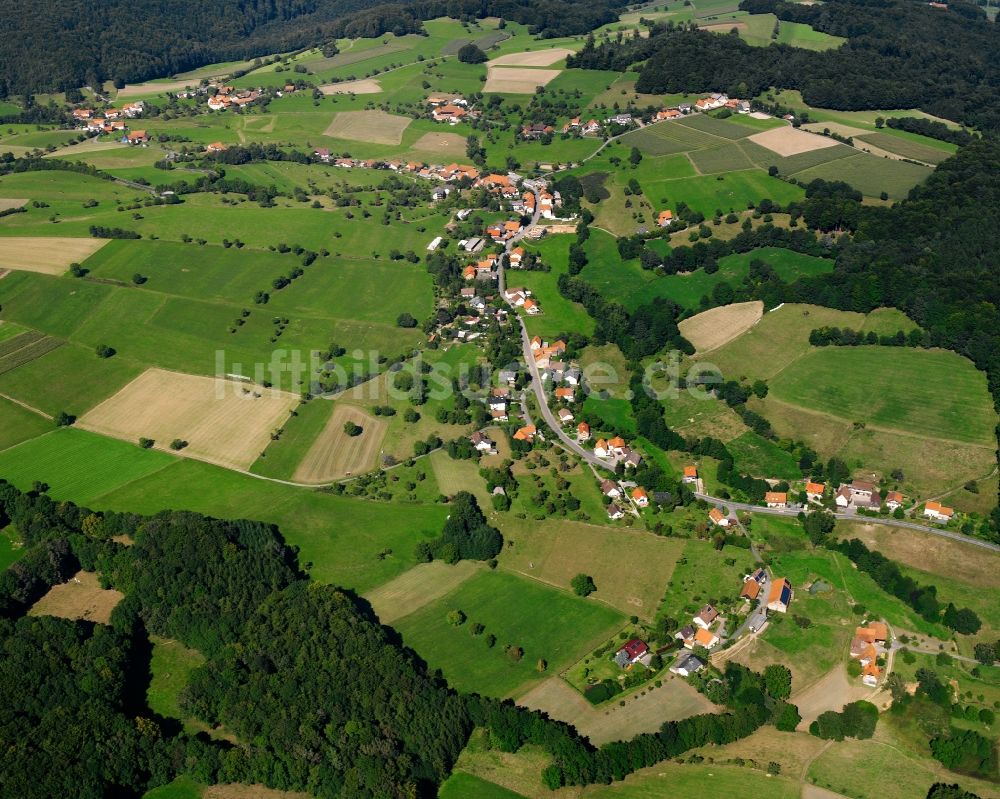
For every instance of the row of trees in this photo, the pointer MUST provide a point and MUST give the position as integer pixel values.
(922, 598)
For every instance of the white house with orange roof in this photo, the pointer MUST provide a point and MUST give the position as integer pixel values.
(690, 474)
(640, 497)
(665, 218)
(583, 432)
(776, 499)
(937, 512)
(780, 595)
(601, 448)
(516, 255)
(718, 518)
(815, 491)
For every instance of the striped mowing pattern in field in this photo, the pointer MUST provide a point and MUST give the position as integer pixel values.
(31, 346)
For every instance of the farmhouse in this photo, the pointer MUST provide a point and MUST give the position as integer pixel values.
(893, 500)
(616, 446)
(706, 616)
(632, 652)
(137, 137)
(483, 443)
(937, 512)
(705, 638)
(717, 517)
(690, 474)
(565, 415)
(780, 595)
(750, 590)
(452, 114)
(686, 634)
(665, 218)
(776, 499)
(526, 433)
(614, 512)
(532, 307)
(583, 432)
(601, 448)
(686, 665)
(814, 491)
(215, 147)
(537, 130)
(667, 113)
(516, 255)
(565, 394)
(610, 489)
(640, 497)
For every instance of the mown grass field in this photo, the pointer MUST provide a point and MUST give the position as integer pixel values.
(630, 568)
(282, 457)
(934, 393)
(702, 576)
(549, 624)
(171, 666)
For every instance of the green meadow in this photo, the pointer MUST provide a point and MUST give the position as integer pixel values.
(353, 543)
(932, 393)
(548, 624)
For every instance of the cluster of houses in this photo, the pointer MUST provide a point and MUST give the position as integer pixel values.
(226, 97)
(699, 632)
(868, 644)
(549, 366)
(937, 512)
(778, 597)
(619, 494)
(451, 110)
(450, 172)
(520, 297)
(113, 121)
(637, 651)
(589, 128)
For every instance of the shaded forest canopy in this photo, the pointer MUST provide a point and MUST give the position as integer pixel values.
(899, 54)
(86, 42)
(320, 697)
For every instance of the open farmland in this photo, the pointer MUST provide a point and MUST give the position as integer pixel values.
(552, 625)
(538, 58)
(421, 585)
(363, 86)
(790, 141)
(336, 454)
(644, 711)
(377, 127)
(934, 393)
(630, 568)
(223, 421)
(515, 80)
(46, 254)
(712, 329)
(80, 598)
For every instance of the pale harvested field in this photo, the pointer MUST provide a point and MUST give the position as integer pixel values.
(81, 598)
(421, 585)
(953, 559)
(834, 127)
(539, 58)
(449, 144)
(334, 454)
(724, 26)
(789, 141)
(363, 86)
(511, 80)
(224, 422)
(674, 700)
(376, 127)
(139, 89)
(831, 692)
(236, 790)
(793, 750)
(715, 327)
(49, 255)
(814, 791)
(7, 203)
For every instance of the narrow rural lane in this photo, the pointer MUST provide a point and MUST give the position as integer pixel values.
(853, 517)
